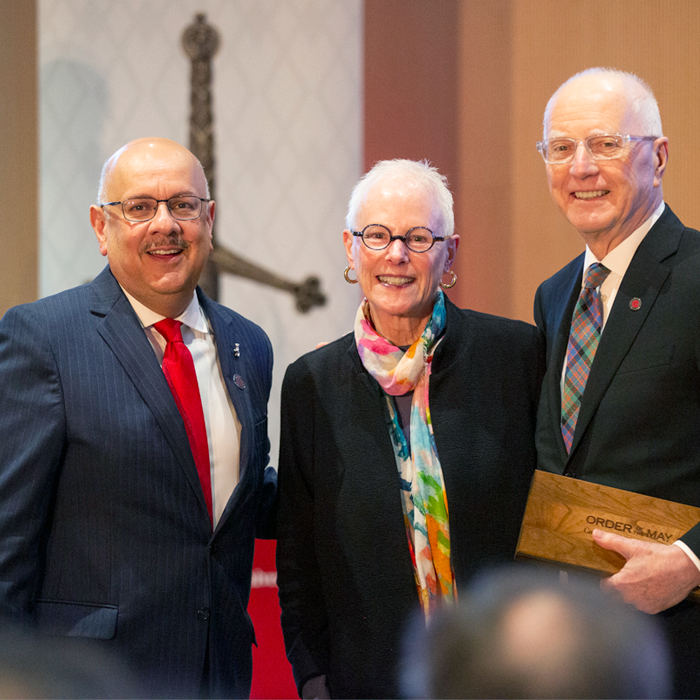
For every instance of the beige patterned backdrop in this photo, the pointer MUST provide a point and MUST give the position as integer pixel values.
(288, 123)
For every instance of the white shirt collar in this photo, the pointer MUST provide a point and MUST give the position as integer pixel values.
(620, 257)
(192, 316)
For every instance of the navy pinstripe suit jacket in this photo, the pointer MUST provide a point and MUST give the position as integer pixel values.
(104, 531)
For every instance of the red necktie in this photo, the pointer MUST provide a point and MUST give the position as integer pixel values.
(178, 368)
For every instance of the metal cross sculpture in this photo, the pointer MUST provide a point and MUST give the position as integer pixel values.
(201, 41)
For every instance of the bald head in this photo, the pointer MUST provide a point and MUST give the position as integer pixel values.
(633, 93)
(139, 153)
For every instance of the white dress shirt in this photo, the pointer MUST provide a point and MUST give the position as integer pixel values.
(222, 424)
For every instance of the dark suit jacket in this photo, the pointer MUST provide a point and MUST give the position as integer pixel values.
(345, 576)
(639, 424)
(104, 532)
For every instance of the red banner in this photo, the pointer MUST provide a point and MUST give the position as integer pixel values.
(272, 673)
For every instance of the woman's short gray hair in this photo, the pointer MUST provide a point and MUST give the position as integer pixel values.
(419, 172)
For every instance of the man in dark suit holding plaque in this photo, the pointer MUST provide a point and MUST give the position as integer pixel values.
(620, 402)
(133, 415)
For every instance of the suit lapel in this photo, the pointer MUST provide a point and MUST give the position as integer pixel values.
(643, 280)
(571, 291)
(122, 331)
(236, 371)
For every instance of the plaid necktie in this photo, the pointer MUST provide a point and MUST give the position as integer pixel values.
(586, 325)
(178, 367)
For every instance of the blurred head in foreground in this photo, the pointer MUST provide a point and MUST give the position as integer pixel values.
(37, 666)
(519, 633)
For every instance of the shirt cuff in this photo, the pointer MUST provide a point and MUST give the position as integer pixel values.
(689, 552)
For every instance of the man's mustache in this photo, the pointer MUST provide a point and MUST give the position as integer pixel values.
(169, 242)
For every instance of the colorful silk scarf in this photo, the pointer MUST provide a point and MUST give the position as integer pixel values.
(422, 485)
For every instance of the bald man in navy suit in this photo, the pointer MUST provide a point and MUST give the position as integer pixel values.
(107, 530)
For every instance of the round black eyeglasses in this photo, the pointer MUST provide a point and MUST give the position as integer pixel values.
(418, 239)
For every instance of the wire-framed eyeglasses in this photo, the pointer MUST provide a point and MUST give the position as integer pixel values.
(559, 150)
(181, 207)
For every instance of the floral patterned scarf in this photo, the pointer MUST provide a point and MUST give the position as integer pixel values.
(422, 486)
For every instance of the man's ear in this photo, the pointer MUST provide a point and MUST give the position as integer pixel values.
(98, 221)
(211, 211)
(661, 159)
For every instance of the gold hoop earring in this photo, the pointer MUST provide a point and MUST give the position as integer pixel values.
(346, 274)
(451, 283)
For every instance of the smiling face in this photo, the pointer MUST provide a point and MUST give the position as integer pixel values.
(158, 261)
(606, 200)
(400, 285)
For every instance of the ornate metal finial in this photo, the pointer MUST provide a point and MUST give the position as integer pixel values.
(201, 42)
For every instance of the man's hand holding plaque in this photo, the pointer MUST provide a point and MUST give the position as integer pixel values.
(655, 577)
(624, 536)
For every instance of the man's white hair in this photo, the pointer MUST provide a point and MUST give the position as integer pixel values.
(420, 173)
(640, 99)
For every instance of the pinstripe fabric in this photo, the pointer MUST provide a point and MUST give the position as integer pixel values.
(586, 325)
(101, 502)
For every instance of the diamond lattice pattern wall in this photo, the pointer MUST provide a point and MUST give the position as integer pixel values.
(287, 105)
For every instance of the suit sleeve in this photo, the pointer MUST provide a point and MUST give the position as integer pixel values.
(304, 618)
(33, 429)
(537, 310)
(692, 537)
(266, 521)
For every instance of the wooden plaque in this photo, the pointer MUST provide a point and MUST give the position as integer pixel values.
(562, 512)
